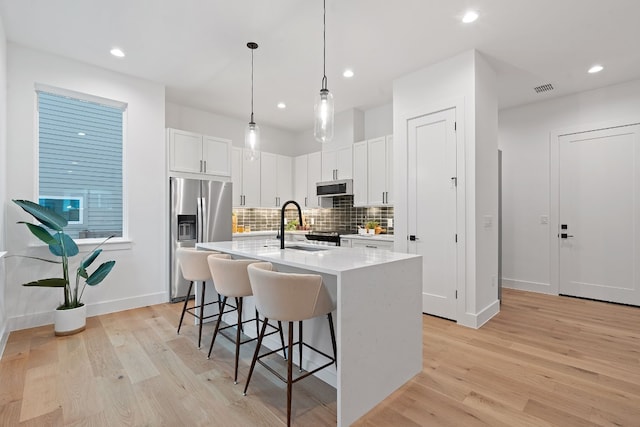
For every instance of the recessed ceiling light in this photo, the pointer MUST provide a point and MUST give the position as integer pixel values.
(282, 105)
(348, 73)
(117, 52)
(81, 134)
(596, 69)
(470, 16)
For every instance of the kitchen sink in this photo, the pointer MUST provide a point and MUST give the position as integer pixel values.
(306, 248)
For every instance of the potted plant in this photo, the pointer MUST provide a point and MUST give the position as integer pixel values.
(70, 316)
(374, 226)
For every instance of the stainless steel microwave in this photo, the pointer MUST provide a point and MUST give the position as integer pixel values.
(343, 187)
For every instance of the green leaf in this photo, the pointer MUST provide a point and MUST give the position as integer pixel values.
(82, 272)
(47, 217)
(48, 283)
(100, 273)
(70, 246)
(40, 232)
(88, 260)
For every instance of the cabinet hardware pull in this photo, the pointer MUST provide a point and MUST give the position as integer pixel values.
(371, 246)
(305, 201)
(205, 167)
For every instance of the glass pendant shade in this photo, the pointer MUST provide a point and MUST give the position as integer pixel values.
(252, 141)
(323, 110)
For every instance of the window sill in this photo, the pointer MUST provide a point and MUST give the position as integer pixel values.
(85, 245)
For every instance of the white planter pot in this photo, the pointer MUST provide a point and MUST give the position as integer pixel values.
(71, 321)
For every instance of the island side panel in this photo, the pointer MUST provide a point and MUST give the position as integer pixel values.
(379, 333)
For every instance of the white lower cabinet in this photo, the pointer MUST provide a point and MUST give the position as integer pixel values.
(366, 242)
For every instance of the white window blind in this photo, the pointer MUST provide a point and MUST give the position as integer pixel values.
(80, 163)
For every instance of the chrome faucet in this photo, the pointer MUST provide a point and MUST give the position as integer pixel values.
(282, 219)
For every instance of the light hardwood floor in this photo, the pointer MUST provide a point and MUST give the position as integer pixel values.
(544, 360)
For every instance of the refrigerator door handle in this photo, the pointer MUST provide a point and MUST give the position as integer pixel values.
(199, 219)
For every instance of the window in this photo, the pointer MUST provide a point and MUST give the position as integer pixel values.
(80, 161)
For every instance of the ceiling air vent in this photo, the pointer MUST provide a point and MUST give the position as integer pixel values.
(543, 88)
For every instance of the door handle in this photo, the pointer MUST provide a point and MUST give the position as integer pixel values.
(412, 237)
(565, 235)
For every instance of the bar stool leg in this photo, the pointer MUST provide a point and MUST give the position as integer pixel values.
(284, 349)
(201, 313)
(184, 307)
(215, 331)
(300, 344)
(333, 338)
(255, 354)
(235, 375)
(290, 374)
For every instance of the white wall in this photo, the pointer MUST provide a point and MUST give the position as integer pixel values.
(139, 277)
(378, 121)
(3, 180)
(467, 83)
(273, 140)
(524, 138)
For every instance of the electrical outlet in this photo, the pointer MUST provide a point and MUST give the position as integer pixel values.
(544, 219)
(313, 221)
(488, 221)
(390, 222)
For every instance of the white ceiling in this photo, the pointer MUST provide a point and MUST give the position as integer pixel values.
(197, 48)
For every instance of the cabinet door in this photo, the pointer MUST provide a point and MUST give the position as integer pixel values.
(236, 176)
(376, 170)
(314, 175)
(329, 165)
(360, 173)
(268, 180)
(216, 156)
(284, 188)
(372, 244)
(389, 197)
(344, 163)
(345, 243)
(300, 187)
(251, 180)
(185, 151)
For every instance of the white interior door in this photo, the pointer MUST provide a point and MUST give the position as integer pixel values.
(599, 193)
(432, 214)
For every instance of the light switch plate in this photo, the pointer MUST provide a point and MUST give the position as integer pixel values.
(488, 221)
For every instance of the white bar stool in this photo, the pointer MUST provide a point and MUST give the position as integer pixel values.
(288, 297)
(231, 279)
(194, 267)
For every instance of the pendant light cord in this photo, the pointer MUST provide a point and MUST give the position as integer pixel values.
(252, 85)
(324, 45)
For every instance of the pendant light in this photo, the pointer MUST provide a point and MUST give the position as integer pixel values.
(252, 132)
(323, 107)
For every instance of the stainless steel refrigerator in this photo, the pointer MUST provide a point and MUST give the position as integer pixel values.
(200, 211)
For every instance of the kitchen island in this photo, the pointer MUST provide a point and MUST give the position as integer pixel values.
(378, 313)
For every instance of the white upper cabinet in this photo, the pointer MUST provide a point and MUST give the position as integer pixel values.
(284, 179)
(314, 175)
(194, 153)
(337, 164)
(246, 179)
(300, 187)
(360, 184)
(372, 172)
(276, 180)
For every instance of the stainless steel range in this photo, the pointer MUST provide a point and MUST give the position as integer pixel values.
(327, 237)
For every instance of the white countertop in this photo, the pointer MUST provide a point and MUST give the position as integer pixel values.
(333, 260)
(381, 237)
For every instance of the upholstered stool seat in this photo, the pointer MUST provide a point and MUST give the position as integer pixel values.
(288, 297)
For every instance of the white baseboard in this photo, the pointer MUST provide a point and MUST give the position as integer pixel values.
(523, 285)
(475, 321)
(4, 336)
(46, 318)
